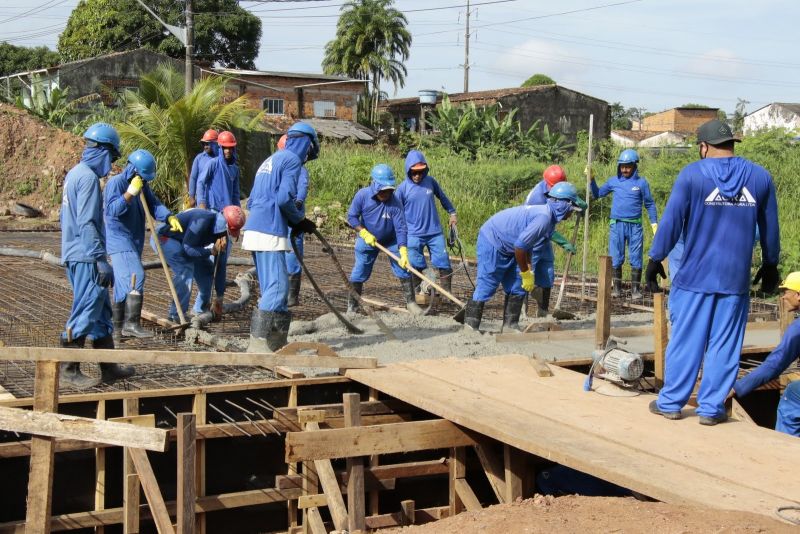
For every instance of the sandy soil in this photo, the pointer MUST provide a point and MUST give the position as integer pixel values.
(574, 514)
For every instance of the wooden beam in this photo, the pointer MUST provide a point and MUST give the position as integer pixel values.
(539, 366)
(407, 512)
(374, 461)
(378, 478)
(330, 486)
(151, 491)
(603, 316)
(660, 337)
(493, 468)
(163, 357)
(71, 427)
(199, 409)
(458, 470)
(315, 524)
(378, 439)
(131, 485)
(513, 465)
(187, 465)
(292, 505)
(396, 519)
(356, 505)
(312, 501)
(100, 471)
(467, 496)
(40, 475)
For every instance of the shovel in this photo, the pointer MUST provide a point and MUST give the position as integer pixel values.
(557, 312)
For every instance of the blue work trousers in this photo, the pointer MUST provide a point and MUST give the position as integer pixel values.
(675, 258)
(436, 248)
(91, 308)
(273, 279)
(292, 265)
(126, 265)
(707, 329)
(495, 268)
(185, 270)
(624, 234)
(543, 266)
(204, 274)
(789, 411)
(365, 260)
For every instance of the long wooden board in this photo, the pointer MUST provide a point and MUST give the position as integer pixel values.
(731, 466)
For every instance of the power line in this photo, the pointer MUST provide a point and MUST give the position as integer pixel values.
(37, 9)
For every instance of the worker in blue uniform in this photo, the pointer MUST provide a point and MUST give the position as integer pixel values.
(778, 361)
(125, 223)
(543, 265)
(506, 243)
(715, 202)
(217, 188)
(191, 247)
(418, 194)
(631, 191)
(83, 252)
(273, 210)
(377, 215)
(210, 151)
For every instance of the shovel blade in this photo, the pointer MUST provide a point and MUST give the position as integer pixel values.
(459, 316)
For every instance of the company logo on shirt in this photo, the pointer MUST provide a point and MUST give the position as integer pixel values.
(743, 199)
(386, 216)
(266, 166)
(636, 188)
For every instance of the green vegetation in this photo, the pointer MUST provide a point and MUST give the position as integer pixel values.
(15, 59)
(538, 79)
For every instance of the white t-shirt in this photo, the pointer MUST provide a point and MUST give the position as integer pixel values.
(260, 242)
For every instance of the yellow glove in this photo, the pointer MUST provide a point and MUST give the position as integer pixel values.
(588, 173)
(135, 186)
(174, 224)
(368, 238)
(403, 263)
(527, 280)
(654, 227)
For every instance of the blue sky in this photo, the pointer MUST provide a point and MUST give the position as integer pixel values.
(654, 54)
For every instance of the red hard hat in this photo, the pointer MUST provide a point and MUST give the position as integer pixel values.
(282, 142)
(234, 216)
(552, 174)
(210, 135)
(226, 139)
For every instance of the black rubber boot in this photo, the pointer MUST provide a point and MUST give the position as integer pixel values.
(278, 334)
(541, 295)
(474, 314)
(260, 322)
(446, 279)
(410, 296)
(133, 317)
(636, 281)
(118, 318)
(110, 372)
(616, 283)
(294, 290)
(352, 304)
(70, 372)
(512, 311)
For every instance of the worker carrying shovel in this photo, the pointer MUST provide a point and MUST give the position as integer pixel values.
(506, 242)
(125, 222)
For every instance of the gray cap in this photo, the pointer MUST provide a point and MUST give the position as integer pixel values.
(715, 133)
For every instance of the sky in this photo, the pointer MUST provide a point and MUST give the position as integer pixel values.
(651, 54)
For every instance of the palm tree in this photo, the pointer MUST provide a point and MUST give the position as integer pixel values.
(162, 119)
(372, 42)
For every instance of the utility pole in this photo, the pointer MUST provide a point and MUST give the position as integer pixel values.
(189, 80)
(466, 54)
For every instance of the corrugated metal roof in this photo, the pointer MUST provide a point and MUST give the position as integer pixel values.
(304, 75)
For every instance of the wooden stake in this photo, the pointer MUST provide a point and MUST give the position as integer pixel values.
(458, 470)
(187, 434)
(374, 461)
(586, 213)
(155, 500)
(513, 463)
(355, 468)
(100, 471)
(130, 502)
(327, 478)
(199, 410)
(493, 468)
(660, 337)
(785, 316)
(603, 315)
(407, 511)
(292, 468)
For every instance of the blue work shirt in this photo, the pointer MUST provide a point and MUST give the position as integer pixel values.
(272, 199)
(525, 227)
(418, 200)
(82, 232)
(537, 195)
(716, 203)
(777, 362)
(629, 196)
(302, 191)
(198, 231)
(125, 222)
(199, 165)
(384, 220)
(218, 184)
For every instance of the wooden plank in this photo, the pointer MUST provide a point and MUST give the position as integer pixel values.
(312, 501)
(163, 357)
(40, 474)
(151, 491)
(378, 478)
(132, 486)
(72, 427)
(458, 470)
(539, 366)
(785, 316)
(315, 523)
(100, 471)
(147, 420)
(310, 416)
(330, 486)
(660, 337)
(739, 413)
(493, 468)
(467, 496)
(513, 466)
(396, 519)
(378, 439)
(603, 316)
(356, 499)
(374, 461)
(407, 512)
(292, 505)
(199, 408)
(187, 464)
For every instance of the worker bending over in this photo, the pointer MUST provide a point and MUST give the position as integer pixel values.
(293, 266)
(125, 224)
(200, 162)
(377, 215)
(631, 192)
(543, 265)
(83, 252)
(273, 211)
(418, 194)
(506, 242)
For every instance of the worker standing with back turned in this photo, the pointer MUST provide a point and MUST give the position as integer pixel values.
(716, 202)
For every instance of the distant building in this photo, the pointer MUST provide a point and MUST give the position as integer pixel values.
(775, 115)
(684, 120)
(647, 138)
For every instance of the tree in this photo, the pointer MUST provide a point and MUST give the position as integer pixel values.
(739, 114)
(224, 33)
(15, 59)
(538, 79)
(371, 43)
(620, 120)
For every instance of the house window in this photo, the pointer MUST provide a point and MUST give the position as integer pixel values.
(324, 108)
(273, 106)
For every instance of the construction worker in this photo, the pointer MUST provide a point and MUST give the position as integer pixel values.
(191, 248)
(217, 188)
(505, 244)
(272, 212)
(778, 361)
(210, 151)
(293, 266)
(631, 192)
(83, 252)
(125, 223)
(377, 215)
(543, 264)
(422, 221)
(715, 202)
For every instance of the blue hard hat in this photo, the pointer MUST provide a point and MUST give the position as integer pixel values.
(144, 163)
(103, 133)
(566, 191)
(628, 156)
(303, 128)
(383, 176)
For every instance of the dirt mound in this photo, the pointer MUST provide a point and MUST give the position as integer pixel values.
(597, 514)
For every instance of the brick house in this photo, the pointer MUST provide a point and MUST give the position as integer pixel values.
(684, 120)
